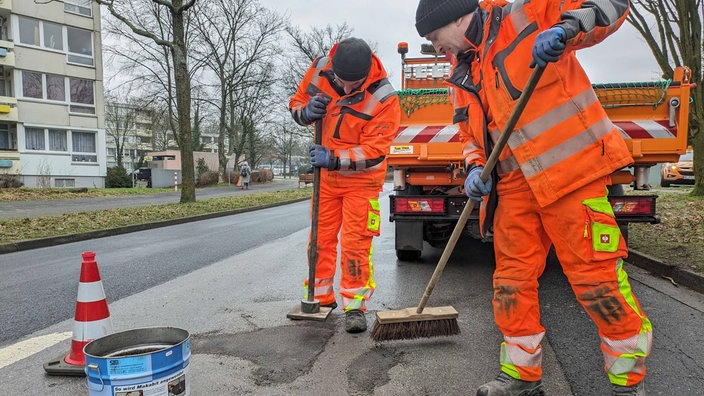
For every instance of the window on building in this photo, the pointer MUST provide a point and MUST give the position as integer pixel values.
(5, 142)
(82, 100)
(55, 88)
(83, 147)
(32, 85)
(111, 152)
(80, 46)
(34, 139)
(81, 7)
(29, 30)
(64, 182)
(53, 36)
(57, 140)
(4, 87)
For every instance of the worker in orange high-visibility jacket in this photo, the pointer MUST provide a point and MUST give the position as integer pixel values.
(550, 186)
(348, 91)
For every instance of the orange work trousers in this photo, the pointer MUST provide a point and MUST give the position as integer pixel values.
(590, 248)
(353, 213)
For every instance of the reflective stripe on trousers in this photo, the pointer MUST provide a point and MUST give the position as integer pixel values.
(589, 246)
(353, 213)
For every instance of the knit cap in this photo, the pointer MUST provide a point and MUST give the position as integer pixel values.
(352, 59)
(434, 14)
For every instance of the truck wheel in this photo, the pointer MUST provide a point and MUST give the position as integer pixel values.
(664, 183)
(408, 255)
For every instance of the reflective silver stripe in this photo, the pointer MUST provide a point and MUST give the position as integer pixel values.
(553, 117)
(344, 156)
(312, 88)
(622, 357)
(507, 166)
(384, 91)
(359, 160)
(469, 147)
(371, 104)
(568, 148)
(360, 296)
(518, 16)
(322, 286)
(587, 17)
(516, 350)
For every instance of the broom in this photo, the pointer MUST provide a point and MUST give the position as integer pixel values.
(422, 322)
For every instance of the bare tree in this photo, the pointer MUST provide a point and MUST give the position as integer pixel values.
(120, 121)
(673, 31)
(306, 47)
(238, 38)
(286, 141)
(138, 16)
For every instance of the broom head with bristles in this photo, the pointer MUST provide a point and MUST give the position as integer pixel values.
(406, 324)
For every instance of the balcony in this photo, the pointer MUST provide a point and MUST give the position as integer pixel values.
(7, 53)
(8, 109)
(6, 5)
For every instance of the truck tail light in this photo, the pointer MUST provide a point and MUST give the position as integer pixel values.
(634, 205)
(423, 205)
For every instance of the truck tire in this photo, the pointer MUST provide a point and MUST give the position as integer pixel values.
(408, 255)
(664, 183)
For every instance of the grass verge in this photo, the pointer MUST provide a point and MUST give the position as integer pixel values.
(679, 238)
(34, 194)
(16, 230)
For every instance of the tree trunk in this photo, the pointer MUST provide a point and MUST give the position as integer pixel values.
(183, 104)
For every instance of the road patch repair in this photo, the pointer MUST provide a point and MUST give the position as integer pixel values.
(279, 362)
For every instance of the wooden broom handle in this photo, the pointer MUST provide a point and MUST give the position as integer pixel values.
(486, 172)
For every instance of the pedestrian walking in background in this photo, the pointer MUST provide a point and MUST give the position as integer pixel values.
(550, 184)
(246, 174)
(348, 91)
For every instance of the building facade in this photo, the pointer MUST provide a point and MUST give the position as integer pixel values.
(51, 93)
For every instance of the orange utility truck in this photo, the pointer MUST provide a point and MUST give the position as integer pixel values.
(427, 163)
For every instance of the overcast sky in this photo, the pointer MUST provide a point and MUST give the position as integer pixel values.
(623, 56)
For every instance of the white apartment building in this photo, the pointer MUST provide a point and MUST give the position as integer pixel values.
(51, 93)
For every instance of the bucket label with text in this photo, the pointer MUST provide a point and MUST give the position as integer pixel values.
(126, 366)
(173, 385)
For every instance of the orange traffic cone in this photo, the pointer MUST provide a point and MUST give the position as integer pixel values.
(92, 320)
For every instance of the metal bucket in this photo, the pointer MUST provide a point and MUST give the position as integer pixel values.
(151, 361)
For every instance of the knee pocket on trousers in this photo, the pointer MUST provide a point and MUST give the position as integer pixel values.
(600, 228)
(373, 226)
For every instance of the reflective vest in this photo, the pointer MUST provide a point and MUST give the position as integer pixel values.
(564, 139)
(358, 127)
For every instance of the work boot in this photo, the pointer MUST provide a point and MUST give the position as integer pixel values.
(355, 322)
(332, 305)
(505, 385)
(633, 390)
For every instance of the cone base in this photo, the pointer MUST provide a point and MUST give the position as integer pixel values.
(60, 367)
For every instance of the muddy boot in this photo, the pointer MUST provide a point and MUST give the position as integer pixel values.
(505, 385)
(633, 390)
(355, 322)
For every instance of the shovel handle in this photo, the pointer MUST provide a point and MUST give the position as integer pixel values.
(315, 208)
(486, 172)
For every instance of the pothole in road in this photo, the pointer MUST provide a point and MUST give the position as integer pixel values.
(282, 353)
(371, 369)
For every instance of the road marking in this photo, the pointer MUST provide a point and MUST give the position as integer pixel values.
(16, 352)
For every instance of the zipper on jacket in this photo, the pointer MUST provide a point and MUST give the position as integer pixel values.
(586, 224)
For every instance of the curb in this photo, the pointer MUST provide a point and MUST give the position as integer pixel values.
(658, 268)
(63, 239)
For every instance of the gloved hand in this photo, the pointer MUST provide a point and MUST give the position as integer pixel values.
(548, 46)
(316, 107)
(320, 157)
(473, 185)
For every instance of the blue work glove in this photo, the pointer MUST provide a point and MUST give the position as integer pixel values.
(321, 158)
(316, 108)
(548, 46)
(473, 185)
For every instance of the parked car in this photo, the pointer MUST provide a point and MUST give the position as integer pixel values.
(681, 172)
(143, 174)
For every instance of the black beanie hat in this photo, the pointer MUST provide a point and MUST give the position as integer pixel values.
(434, 14)
(352, 59)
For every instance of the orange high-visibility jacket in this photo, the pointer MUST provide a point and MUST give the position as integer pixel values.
(358, 128)
(564, 138)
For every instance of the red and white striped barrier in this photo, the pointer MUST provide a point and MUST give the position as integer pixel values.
(427, 134)
(91, 321)
(646, 129)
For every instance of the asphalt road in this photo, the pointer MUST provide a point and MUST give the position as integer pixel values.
(233, 302)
